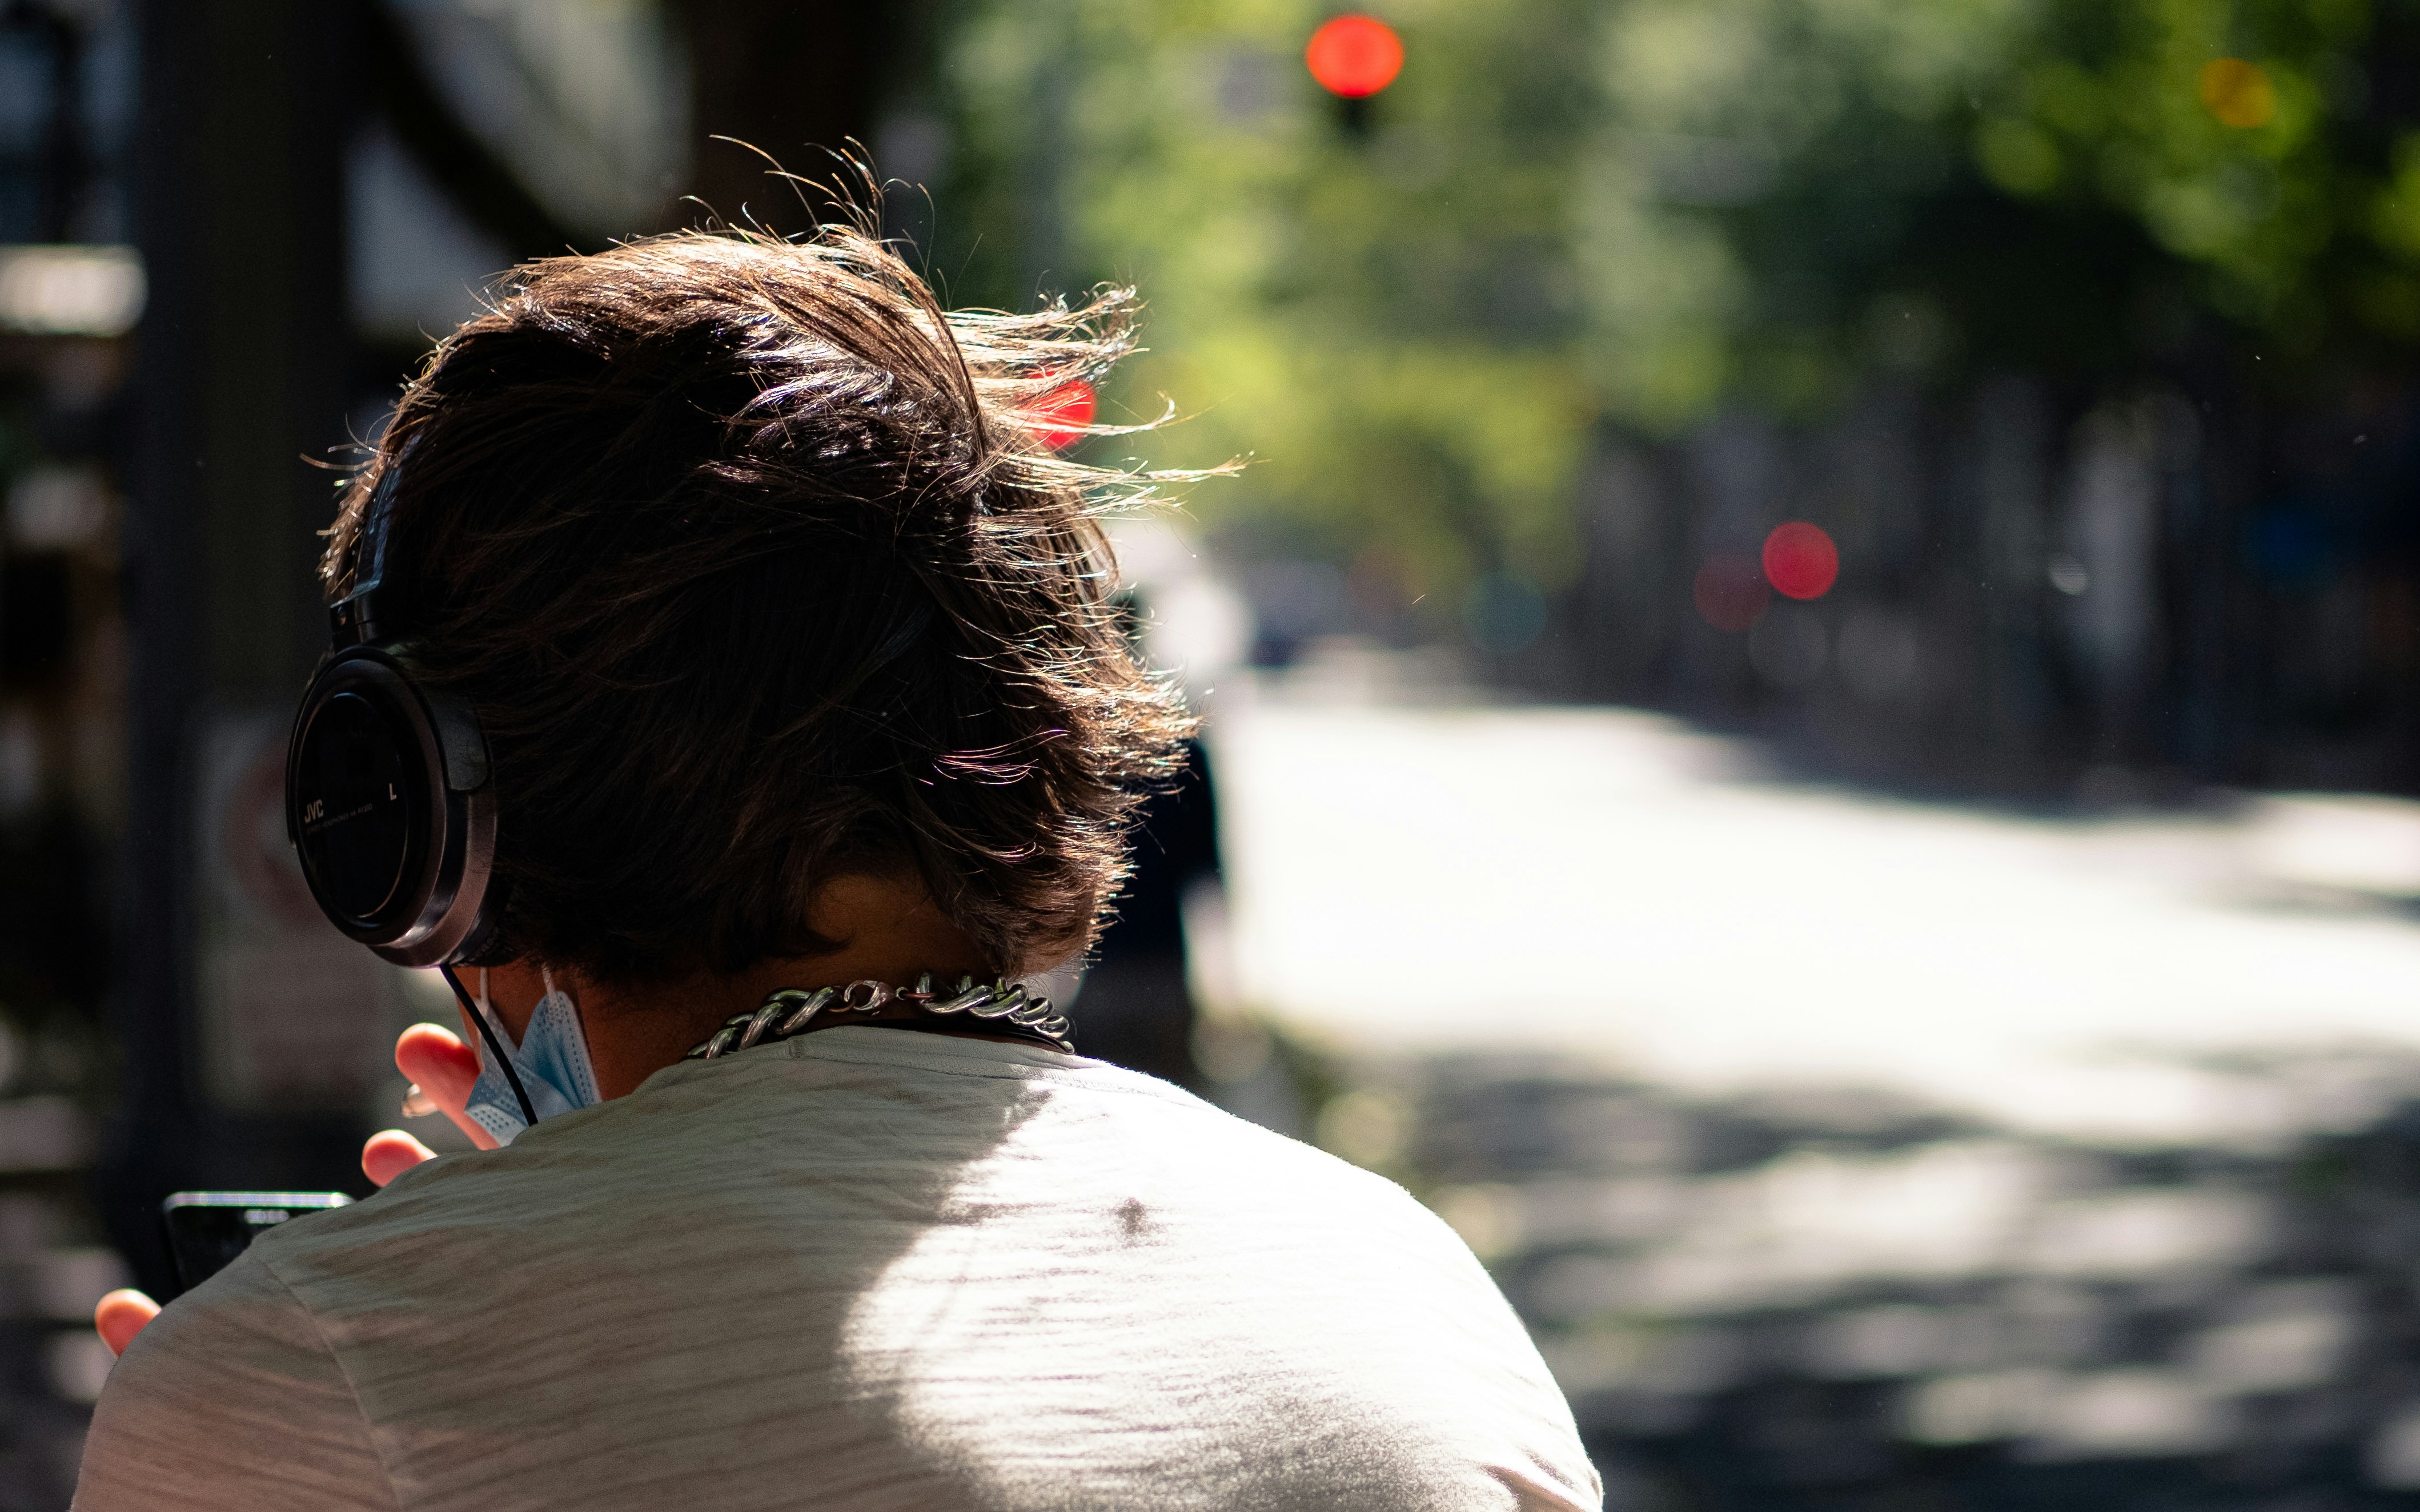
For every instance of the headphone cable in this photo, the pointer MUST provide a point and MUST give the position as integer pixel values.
(495, 1046)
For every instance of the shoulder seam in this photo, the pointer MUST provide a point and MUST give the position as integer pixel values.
(370, 1435)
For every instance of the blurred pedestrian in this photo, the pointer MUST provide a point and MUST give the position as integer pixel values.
(1136, 993)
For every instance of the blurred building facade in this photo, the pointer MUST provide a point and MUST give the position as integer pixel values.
(2042, 590)
(70, 293)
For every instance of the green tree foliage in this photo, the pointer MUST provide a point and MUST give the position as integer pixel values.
(1382, 316)
(1416, 315)
(2234, 135)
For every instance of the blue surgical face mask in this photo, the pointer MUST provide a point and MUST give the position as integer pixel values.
(552, 1061)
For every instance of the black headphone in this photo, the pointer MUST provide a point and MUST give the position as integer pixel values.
(388, 798)
(389, 803)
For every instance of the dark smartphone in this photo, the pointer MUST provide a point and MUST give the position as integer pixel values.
(208, 1229)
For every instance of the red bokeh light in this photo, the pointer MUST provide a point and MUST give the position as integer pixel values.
(1731, 592)
(1801, 561)
(1060, 416)
(1355, 56)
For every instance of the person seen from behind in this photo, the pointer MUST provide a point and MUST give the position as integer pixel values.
(796, 661)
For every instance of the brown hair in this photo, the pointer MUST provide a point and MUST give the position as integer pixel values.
(751, 561)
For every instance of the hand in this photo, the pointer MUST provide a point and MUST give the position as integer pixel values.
(441, 1066)
(442, 1070)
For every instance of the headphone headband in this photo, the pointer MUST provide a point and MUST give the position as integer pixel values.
(356, 619)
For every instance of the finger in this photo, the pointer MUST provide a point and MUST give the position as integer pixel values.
(118, 1317)
(444, 1068)
(436, 1057)
(390, 1153)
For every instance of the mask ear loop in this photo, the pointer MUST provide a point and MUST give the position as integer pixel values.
(495, 1047)
(568, 1001)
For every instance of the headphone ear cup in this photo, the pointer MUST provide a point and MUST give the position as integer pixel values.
(390, 809)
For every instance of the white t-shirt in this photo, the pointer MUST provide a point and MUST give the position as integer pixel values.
(868, 1268)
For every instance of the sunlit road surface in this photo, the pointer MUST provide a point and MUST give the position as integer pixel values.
(1611, 886)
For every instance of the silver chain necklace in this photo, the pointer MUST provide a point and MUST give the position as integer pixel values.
(794, 1010)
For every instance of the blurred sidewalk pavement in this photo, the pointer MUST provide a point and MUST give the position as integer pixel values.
(1618, 887)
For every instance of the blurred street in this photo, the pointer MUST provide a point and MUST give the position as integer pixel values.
(1837, 1142)
(1617, 887)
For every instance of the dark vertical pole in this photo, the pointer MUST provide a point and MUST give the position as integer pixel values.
(67, 163)
(156, 1113)
(241, 362)
(792, 77)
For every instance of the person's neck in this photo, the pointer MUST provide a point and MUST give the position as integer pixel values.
(888, 931)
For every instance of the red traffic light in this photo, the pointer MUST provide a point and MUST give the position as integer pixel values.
(1355, 56)
(1801, 561)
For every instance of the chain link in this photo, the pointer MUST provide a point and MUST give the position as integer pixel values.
(793, 1011)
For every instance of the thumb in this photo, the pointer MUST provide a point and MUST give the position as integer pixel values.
(118, 1317)
(390, 1153)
